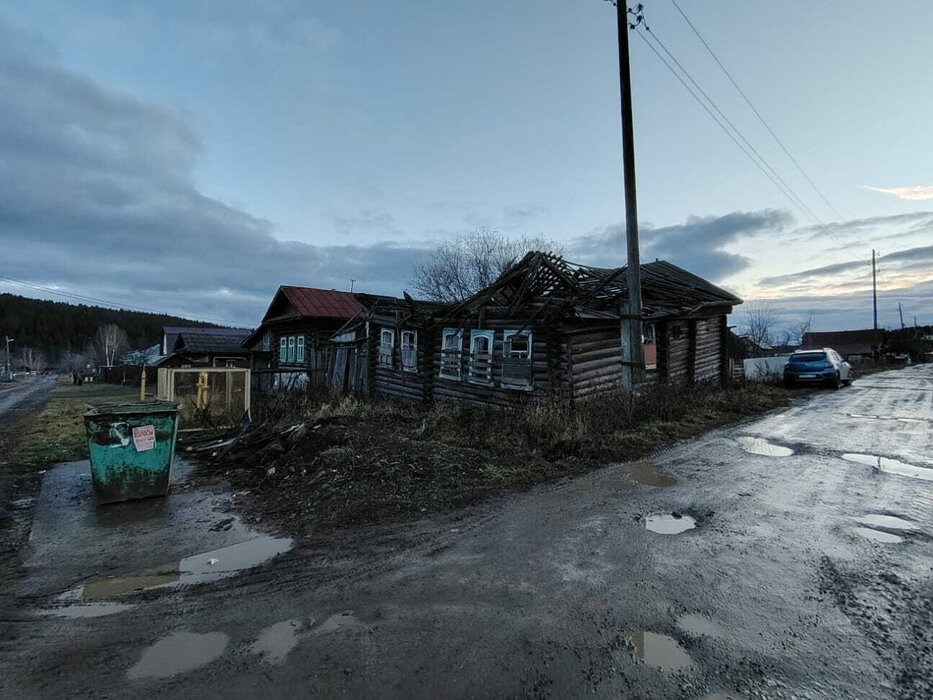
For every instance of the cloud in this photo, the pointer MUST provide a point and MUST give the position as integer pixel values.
(698, 245)
(914, 193)
(97, 196)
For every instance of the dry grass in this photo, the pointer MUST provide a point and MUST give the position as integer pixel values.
(56, 433)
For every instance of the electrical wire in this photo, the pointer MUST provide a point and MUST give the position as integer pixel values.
(757, 113)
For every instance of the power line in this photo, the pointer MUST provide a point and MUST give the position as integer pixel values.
(101, 302)
(795, 197)
(763, 165)
(756, 112)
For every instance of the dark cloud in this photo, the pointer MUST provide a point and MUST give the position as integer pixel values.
(697, 245)
(96, 195)
(911, 258)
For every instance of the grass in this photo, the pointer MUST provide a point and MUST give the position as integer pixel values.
(56, 433)
(363, 459)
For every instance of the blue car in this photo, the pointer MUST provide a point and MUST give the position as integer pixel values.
(822, 366)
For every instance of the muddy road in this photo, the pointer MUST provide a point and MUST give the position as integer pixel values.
(787, 557)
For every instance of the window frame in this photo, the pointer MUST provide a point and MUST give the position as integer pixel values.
(490, 336)
(413, 367)
(507, 355)
(386, 358)
(300, 349)
(446, 333)
(649, 338)
(283, 350)
(291, 349)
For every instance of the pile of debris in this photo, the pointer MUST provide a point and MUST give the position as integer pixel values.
(341, 471)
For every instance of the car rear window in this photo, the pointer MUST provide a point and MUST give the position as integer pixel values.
(808, 357)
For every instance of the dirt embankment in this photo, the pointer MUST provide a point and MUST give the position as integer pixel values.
(336, 462)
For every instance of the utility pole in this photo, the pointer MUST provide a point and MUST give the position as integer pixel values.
(9, 359)
(633, 353)
(874, 289)
(352, 282)
(901, 312)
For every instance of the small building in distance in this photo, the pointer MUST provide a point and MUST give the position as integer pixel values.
(209, 350)
(854, 346)
(545, 328)
(170, 334)
(295, 336)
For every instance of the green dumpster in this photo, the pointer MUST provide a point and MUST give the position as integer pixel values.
(132, 446)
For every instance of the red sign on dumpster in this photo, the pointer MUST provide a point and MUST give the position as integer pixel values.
(144, 437)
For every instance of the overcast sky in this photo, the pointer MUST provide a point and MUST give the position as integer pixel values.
(190, 157)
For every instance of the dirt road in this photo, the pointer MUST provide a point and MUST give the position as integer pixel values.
(798, 563)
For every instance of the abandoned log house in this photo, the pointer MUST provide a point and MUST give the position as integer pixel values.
(293, 340)
(545, 328)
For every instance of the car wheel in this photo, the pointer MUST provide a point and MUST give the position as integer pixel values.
(837, 382)
(789, 384)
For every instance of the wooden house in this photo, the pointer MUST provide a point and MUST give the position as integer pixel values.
(296, 332)
(545, 328)
(208, 349)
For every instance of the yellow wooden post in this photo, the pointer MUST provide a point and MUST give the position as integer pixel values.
(142, 386)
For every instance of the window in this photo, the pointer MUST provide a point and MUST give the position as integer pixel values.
(410, 351)
(300, 349)
(481, 356)
(451, 349)
(291, 348)
(648, 334)
(386, 343)
(516, 360)
(283, 350)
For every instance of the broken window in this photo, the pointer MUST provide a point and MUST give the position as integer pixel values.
(386, 343)
(648, 334)
(451, 350)
(481, 356)
(516, 360)
(300, 349)
(649, 346)
(409, 351)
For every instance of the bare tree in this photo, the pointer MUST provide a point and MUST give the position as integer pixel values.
(31, 359)
(73, 361)
(797, 330)
(110, 342)
(472, 261)
(758, 322)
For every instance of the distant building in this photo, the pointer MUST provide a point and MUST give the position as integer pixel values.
(170, 334)
(208, 350)
(852, 345)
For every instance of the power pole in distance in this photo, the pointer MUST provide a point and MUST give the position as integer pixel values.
(874, 289)
(633, 354)
(901, 312)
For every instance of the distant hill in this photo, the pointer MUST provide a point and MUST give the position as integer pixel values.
(53, 327)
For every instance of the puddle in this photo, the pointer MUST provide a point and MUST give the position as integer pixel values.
(890, 522)
(86, 610)
(179, 653)
(669, 523)
(647, 473)
(891, 466)
(660, 651)
(200, 568)
(878, 536)
(335, 623)
(699, 626)
(276, 641)
(897, 418)
(760, 446)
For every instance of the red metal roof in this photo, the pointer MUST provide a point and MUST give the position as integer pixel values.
(325, 303)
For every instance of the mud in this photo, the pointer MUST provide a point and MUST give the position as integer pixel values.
(647, 474)
(541, 593)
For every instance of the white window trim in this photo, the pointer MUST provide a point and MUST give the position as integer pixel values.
(300, 349)
(283, 350)
(414, 347)
(447, 332)
(291, 349)
(386, 348)
(491, 337)
(506, 353)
